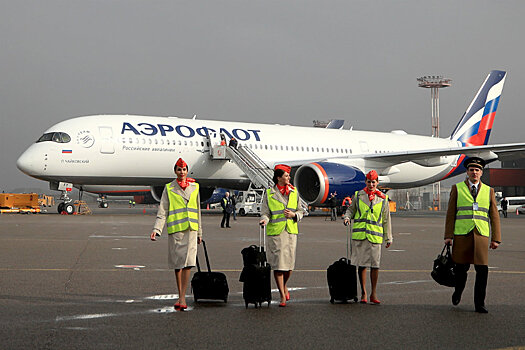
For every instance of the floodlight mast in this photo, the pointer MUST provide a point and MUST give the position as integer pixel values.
(434, 83)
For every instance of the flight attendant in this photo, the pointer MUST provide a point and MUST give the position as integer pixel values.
(280, 212)
(180, 209)
(472, 205)
(372, 225)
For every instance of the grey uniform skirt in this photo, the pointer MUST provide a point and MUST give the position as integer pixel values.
(281, 251)
(365, 254)
(182, 249)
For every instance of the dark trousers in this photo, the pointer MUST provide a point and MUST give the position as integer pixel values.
(480, 286)
(333, 213)
(225, 219)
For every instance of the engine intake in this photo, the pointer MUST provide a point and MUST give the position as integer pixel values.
(315, 181)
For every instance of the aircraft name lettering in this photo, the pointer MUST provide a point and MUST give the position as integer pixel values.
(185, 131)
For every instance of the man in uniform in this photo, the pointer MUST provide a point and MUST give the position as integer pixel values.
(226, 205)
(471, 207)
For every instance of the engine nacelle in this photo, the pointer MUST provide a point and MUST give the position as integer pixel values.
(315, 181)
(156, 192)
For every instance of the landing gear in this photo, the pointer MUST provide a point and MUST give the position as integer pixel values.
(67, 205)
(69, 208)
(102, 201)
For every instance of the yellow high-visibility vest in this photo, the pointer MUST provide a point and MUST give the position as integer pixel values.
(368, 221)
(278, 221)
(182, 215)
(466, 217)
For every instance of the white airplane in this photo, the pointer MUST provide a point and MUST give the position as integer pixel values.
(130, 150)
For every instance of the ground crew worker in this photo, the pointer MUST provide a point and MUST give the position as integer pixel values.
(227, 209)
(372, 225)
(471, 206)
(280, 212)
(180, 208)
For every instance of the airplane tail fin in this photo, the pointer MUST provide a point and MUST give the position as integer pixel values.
(475, 125)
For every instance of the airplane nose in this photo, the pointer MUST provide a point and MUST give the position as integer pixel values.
(27, 163)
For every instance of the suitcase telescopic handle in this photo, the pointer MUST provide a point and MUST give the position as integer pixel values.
(206, 255)
(348, 242)
(262, 237)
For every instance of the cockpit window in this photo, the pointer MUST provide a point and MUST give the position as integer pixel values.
(59, 137)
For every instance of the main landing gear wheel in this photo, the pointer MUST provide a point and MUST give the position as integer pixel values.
(60, 208)
(103, 205)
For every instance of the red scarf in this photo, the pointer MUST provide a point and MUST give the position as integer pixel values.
(372, 195)
(184, 183)
(285, 190)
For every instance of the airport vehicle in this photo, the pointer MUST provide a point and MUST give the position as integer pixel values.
(132, 150)
(249, 202)
(520, 210)
(514, 203)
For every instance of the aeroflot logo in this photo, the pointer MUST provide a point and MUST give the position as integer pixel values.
(187, 131)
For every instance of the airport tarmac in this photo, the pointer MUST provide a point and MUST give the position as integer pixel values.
(98, 282)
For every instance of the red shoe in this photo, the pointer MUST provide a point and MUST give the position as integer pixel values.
(364, 301)
(287, 296)
(177, 306)
(282, 304)
(375, 301)
(183, 307)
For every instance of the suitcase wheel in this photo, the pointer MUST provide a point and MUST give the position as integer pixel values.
(332, 300)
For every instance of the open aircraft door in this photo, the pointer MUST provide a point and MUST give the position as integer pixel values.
(106, 140)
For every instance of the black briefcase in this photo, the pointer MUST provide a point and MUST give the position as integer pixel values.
(209, 285)
(443, 270)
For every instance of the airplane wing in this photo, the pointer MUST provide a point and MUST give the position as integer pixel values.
(429, 157)
(489, 152)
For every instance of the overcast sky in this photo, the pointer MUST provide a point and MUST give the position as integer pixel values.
(256, 61)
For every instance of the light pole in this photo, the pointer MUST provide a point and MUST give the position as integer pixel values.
(434, 83)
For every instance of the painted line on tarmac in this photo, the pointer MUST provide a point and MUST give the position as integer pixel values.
(113, 236)
(4, 269)
(407, 282)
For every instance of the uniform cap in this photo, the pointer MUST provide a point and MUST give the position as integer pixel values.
(283, 167)
(475, 162)
(372, 175)
(181, 163)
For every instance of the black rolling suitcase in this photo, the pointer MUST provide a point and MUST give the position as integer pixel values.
(209, 285)
(342, 278)
(256, 273)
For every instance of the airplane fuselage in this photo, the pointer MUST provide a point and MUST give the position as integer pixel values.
(140, 150)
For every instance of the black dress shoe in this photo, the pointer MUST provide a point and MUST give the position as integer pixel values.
(456, 298)
(482, 309)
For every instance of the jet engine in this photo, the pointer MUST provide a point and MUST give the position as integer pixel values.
(315, 181)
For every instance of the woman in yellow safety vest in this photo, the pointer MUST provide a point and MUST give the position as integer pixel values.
(180, 209)
(280, 212)
(371, 214)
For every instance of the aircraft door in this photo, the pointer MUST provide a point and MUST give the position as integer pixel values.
(106, 140)
(364, 146)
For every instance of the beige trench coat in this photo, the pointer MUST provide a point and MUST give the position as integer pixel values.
(473, 247)
(281, 248)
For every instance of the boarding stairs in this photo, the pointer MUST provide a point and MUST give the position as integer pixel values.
(257, 171)
(254, 167)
